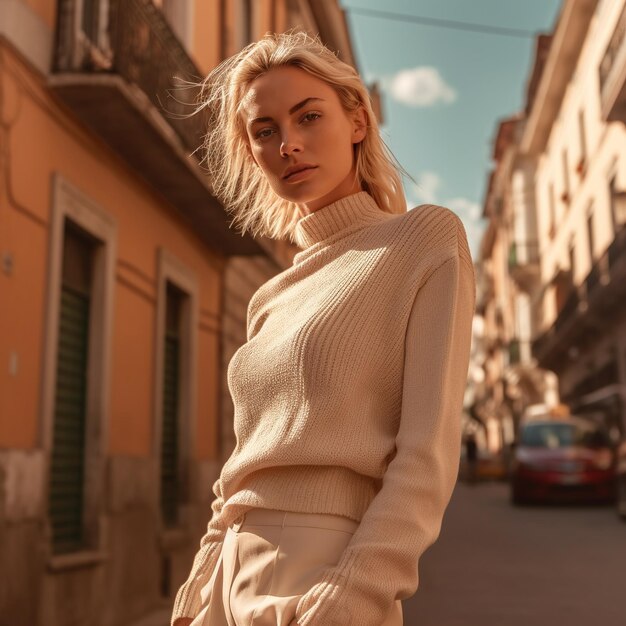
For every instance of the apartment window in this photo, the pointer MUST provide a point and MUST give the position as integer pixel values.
(580, 168)
(170, 417)
(590, 234)
(238, 28)
(566, 182)
(89, 19)
(179, 15)
(613, 201)
(563, 284)
(552, 204)
(76, 364)
(92, 17)
(175, 394)
(245, 19)
(66, 495)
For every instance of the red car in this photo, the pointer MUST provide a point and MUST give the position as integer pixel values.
(563, 459)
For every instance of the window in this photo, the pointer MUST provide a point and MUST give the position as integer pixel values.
(89, 19)
(92, 17)
(170, 475)
(179, 14)
(566, 183)
(176, 389)
(76, 365)
(590, 234)
(613, 202)
(552, 218)
(66, 496)
(580, 168)
(563, 284)
(564, 435)
(238, 28)
(245, 19)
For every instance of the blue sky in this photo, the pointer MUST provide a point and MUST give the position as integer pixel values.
(444, 89)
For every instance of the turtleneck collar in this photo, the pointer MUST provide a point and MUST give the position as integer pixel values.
(347, 213)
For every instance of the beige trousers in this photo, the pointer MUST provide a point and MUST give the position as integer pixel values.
(269, 559)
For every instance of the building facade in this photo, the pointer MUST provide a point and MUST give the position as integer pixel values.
(557, 224)
(123, 295)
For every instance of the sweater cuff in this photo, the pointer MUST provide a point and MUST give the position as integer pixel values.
(188, 601)
(322, 604)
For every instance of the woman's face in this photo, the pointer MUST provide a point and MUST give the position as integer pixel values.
(294, 119)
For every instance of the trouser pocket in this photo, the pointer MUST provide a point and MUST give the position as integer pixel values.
(277, 564)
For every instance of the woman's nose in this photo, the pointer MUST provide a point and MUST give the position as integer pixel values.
(290, 144)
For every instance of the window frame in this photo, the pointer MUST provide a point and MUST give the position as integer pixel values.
(71, 204)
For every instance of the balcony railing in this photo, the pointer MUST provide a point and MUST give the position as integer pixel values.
(133, 40)
(523, 253)
(612, 74)
(116, 67)
(523, 263)
(588, 307)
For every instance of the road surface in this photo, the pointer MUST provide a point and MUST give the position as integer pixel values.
(499, 565)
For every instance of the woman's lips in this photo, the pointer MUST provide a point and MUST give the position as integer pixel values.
(299, 175)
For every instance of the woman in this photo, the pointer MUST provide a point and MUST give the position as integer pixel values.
(348, 391)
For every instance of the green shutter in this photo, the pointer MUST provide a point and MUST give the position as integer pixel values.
(169, 439)
(68, 449)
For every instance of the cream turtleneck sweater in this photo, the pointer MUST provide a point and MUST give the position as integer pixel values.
(348, 396)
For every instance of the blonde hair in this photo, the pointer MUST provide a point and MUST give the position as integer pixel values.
(236, 180)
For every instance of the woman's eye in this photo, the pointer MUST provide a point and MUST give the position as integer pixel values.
(311, 116)
(262, 134)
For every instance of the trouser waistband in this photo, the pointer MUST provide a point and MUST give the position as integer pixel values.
(271, 517)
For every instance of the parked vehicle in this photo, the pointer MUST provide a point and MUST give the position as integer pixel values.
(563, 458)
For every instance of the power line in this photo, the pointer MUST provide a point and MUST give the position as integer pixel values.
(441, 23)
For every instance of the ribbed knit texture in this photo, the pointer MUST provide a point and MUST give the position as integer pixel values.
(348, 396)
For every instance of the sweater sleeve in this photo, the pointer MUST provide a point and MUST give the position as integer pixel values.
(188, 601)
(380, 564)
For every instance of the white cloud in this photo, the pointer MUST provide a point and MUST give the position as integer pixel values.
(421, 86)
(465, 208)
(470, 214)
(425, 192)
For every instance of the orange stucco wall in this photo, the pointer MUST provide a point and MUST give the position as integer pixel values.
(42, 139)
(21, 321)
(206, 37)
(45, 9)
(208, 393)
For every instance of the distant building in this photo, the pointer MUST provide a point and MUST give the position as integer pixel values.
(554, 252)
(123, 295)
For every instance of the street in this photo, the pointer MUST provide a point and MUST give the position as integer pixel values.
(498, 565)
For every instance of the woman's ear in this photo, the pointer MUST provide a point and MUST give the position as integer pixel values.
(359, 124)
